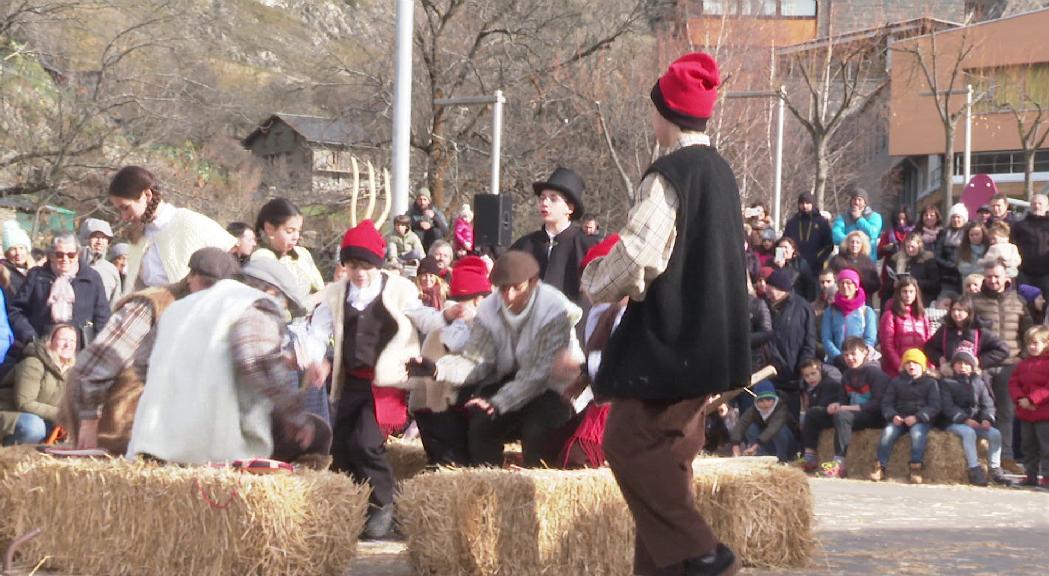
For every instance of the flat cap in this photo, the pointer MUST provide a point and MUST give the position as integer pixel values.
(213, 262)
(278, 276)
(514, 267)
(92, 225)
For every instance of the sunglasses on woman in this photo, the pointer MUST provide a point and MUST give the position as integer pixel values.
(66, 255)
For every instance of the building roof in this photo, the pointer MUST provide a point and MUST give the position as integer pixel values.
(315, 129)
(914, 27)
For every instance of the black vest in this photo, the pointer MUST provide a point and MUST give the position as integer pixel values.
(690, 337)
(365, 333)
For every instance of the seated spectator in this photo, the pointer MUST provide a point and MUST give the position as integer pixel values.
(463, 232)
(853, 253)
(856, 405)
(18, 257)
(1029, 390)
(972, 284)
(910, 404)
(39, 386)
(428, 222)
(848, 316)
(1001, 250)
(766, 427)
(827, 289)
(947, 244)
(793, 339)
(432, 290)
(859, 218)
(929, 226)
(903, 325)
(64, 290)
(974, 246)
(441, 252)
(967, 411)
(787, 258)
(817, 381)
(960, 329)
(914, 261)
(403, 244)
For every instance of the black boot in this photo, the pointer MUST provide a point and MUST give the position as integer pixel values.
(722, 562)
(998, 477)
(976, 476)
(379, 524)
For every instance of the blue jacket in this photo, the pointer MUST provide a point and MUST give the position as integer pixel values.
(30, 314)
(836, 328)
(869, 223)
(7, 336)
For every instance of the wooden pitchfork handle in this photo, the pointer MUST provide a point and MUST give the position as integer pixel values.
(718, 399)
(9, 554)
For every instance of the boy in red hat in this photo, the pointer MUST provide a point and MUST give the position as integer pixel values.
(374, 318)
(672, 350)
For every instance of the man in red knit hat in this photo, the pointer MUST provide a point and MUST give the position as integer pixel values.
(374, 319)
(673, 349)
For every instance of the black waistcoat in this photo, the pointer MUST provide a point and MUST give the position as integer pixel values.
(559, 262)
(690, 336)
(365, 334)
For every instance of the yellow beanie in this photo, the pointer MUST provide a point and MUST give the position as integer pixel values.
(914, 355)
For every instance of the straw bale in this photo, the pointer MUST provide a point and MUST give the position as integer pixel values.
(484, 521)
(119, 517)
(407, 457)
(944, 459)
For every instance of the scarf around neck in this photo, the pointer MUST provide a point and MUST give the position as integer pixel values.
(766, 413)
(62, 296)
(848, 306)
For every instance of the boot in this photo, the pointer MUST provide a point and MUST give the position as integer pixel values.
(998, 477)
(976, 476)
(379, 524)
(722, 562)
(1029, 481)
(916, 473)
(879, 474)
(1012, 466)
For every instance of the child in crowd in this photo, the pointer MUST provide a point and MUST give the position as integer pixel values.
(403, 245)
(1002, 250)
(821, 382)
(937, 310)
(767, 427)
(972, 284)
(968, 412)
(1029, 388)
(855, 406)
(464, 232)
(910, 404)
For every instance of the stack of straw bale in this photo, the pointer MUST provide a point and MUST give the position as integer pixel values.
(118, 517)
(546, 522)
(407, 458)
(944, 459)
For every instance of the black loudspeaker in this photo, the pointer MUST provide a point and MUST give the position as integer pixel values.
(493, 219)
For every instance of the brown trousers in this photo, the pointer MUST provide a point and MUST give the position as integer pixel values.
(650, 447)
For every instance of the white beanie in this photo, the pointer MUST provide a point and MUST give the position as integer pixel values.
(960, 210)
(15, 236)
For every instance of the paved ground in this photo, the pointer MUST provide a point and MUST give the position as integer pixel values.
(888, 528)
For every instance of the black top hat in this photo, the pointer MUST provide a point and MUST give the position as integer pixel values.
(569, 184)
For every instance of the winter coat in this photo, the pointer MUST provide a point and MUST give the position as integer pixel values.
(39, 386)
(828, 391)
(1006, 314)
(793, 336)
(438, 231)
(906, 396)
(801, 277)
(407, 247)
(990, 349)
(15, 278)
(946, 253)
(1030, 380)
(1031, 236)
(965, 397)
(464, 235)
(30, 314)
(760, 333)
(558, 265)
(923, 268)
(897, 334)
(836, 328)
(811, 232)
(864, 386)
(868, 273)
(7, 336)
(869, 223)
(779, 418)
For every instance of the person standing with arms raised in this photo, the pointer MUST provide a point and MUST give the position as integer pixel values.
(673, 349)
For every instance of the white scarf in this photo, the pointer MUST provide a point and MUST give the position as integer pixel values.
(516, 321)
(361, 297)
(62, 297)
(766, 413)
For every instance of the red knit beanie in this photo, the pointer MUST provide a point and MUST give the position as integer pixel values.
(686, 94)
(599, 250)
(363, 242)
(469, 278)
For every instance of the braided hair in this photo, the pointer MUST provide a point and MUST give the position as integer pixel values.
(131, 182)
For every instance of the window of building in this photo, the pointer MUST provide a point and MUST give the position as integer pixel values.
(1011, 87)
(758, 8)
(797, 7)
(1001, 162)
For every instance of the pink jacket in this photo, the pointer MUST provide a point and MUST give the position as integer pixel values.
(897, 334)
(464, 235)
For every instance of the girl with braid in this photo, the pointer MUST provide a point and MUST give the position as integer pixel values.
(163, 236)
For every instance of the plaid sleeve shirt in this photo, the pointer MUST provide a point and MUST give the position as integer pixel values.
(256, 343)
(109, 354)
(645, 243)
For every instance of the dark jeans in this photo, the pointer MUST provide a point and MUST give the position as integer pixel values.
(535, 424)
(445, 436)
(782, 445)
(1004, 407)
(919, 434)
(358, 445)
(1035, 437)
(844, 423)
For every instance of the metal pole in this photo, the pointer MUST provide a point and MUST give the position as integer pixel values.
(967, 163)
(402, 107)
(778, 185)
(497, 138)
